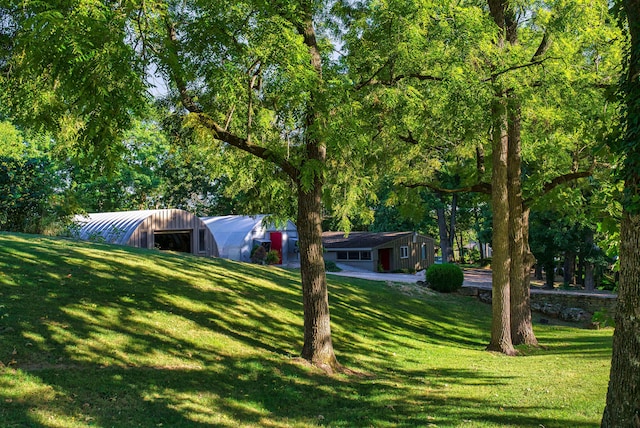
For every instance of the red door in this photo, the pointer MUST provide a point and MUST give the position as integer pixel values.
(276, 244)
(384, 258)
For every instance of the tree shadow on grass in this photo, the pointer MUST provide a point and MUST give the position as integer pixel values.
(105, 337)
(254, 392)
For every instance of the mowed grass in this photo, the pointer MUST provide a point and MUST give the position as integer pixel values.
(96, 335)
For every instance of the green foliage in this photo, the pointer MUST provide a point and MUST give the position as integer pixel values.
(258, 254)
(331, 266)
(446, 277)
(72, 70)
(272, 258)
(602, 319)
(428, 83)
(28, 198)
(86, 70)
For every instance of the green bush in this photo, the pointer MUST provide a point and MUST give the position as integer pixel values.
(602, 319)
(331, 266)
(272, 258)
(258, 254)
(445, 277)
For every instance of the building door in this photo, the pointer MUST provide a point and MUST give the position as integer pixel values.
(276, 244)
(173, 241)
(384, 259)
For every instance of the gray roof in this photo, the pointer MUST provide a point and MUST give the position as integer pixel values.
(360, 239)
(113, 227)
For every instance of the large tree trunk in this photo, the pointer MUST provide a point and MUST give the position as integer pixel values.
(623, 396)
(521, 320)
(501, 261)
(521, 324)
(318, 347)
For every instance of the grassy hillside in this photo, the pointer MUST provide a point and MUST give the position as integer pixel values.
(95, 335)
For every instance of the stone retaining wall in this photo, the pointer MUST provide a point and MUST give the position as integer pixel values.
(566, 305)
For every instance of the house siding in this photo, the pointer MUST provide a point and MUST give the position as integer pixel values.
(137, 228)
(174, 221)
(414, 261)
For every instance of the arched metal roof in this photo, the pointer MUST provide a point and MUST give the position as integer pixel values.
(233, 232)
(113, 227)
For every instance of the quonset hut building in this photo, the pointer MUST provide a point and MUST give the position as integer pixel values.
(167, 229)
(236, 235)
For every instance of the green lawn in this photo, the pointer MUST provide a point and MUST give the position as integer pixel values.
(94, 335)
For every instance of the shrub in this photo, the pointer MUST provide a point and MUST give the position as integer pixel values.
(331, 266)
(272, 258)
(602, 319)
(445, 278)
(258, 255)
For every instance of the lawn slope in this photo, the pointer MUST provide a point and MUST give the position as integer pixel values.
(96, 335)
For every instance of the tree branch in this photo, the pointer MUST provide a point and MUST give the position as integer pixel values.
(475, 188)
(245, 145)
(185, 97)
(516, 67)
(396, 79)
(219, 132)
(545, 43)
(409, 139)
(562, 179)
(373, 76)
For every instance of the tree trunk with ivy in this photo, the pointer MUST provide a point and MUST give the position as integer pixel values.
(623, 396)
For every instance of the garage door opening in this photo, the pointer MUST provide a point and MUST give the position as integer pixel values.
(173, 241)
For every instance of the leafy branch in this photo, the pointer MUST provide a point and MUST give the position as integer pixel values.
(485, 188)
(221, 133)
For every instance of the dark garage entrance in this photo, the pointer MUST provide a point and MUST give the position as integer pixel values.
(173, 241)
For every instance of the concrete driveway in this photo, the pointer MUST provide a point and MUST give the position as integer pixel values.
(376, 276)
(353, 272)
(472, 277)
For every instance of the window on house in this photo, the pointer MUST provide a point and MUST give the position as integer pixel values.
(201, 241)
(354, 255)
(404, 252)
(424, 251)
